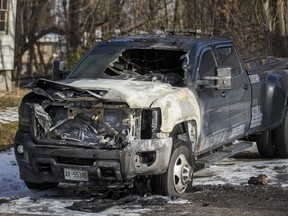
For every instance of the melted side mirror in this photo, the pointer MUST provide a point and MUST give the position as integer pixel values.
(224, 77)
(221, 81)
(60, 71)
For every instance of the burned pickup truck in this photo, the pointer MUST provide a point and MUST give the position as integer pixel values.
(153, 109)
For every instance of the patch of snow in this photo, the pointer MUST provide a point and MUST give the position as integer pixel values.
(10, 183)
(135, 210)
(237, 171)
(179, 201)
(10, 114)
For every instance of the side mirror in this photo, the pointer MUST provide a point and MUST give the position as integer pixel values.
(221, 81)
(224, 77)
(60, 71)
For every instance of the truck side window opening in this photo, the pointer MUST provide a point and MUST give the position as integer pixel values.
(207, 64)
(229, 58)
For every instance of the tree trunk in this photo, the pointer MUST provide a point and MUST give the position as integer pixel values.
(267, 16)
(281, 31)
(74, 39)
(167, 25)
(189, 23)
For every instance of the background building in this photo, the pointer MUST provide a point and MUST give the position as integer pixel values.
(47, 49)
(7, 42)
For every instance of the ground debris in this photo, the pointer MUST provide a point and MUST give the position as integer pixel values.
(261, 179)
(280, 167)
(115, 197)
(153, 200)
(205, 204)
(8, 199)
(4, 200)
(100, 204)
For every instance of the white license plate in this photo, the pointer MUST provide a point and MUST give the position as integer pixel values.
(75, 175)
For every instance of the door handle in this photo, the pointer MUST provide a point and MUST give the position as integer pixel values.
(223, 94)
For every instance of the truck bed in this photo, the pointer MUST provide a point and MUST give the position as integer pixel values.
(264, 63)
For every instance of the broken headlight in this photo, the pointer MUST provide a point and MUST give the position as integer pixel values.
(24, 112)
(150, 123)
(24, 117)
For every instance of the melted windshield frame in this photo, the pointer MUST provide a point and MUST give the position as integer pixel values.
(134, 63)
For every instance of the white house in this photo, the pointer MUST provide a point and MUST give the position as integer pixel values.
(7, 42)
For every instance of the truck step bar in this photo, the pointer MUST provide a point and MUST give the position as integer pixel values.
(221, 154)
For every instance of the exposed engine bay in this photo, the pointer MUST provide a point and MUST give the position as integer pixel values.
(81, 119)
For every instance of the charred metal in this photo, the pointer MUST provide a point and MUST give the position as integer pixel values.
(87, 120)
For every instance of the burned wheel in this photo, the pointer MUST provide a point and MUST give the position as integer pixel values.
(41, 186)
(182, 174)
(265, 144)
(178, 178)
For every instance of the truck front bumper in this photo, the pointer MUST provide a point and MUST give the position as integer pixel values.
(40, 163)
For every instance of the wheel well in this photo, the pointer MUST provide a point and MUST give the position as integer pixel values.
(273, 100)
(178, 129)
(187, 132)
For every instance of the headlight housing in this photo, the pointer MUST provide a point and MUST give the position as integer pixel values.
(24, 111)
(150, 123)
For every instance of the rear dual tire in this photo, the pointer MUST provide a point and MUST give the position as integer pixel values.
(274, 143)
(265, 144)
(281, 138)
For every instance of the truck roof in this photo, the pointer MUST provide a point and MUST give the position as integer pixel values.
(180, 41)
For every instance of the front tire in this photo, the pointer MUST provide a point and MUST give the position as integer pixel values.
(41, 186)
(178, 178)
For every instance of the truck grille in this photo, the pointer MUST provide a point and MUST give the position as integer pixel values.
(75, 161)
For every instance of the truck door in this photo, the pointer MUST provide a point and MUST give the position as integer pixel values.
(214, 105)
(240, 93)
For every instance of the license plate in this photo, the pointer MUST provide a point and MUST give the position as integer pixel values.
(75, 175)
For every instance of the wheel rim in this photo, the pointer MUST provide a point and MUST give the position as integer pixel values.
(182, 174)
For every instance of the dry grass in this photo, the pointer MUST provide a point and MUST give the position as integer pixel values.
(12, 99)
(7, 130)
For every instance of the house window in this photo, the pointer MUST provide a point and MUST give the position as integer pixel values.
(3, 16)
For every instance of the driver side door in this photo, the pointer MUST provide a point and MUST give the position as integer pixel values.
(214, 105)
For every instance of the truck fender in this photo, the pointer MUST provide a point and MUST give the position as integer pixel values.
(177, 107)
(273, 99)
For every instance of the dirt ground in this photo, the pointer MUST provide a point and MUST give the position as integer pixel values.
(203, 200)
(228, 200)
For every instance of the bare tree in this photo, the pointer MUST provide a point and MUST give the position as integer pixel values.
(258, 28)
(30, 28)
(281, 28)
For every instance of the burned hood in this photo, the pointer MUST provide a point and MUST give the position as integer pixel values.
(137, 94)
